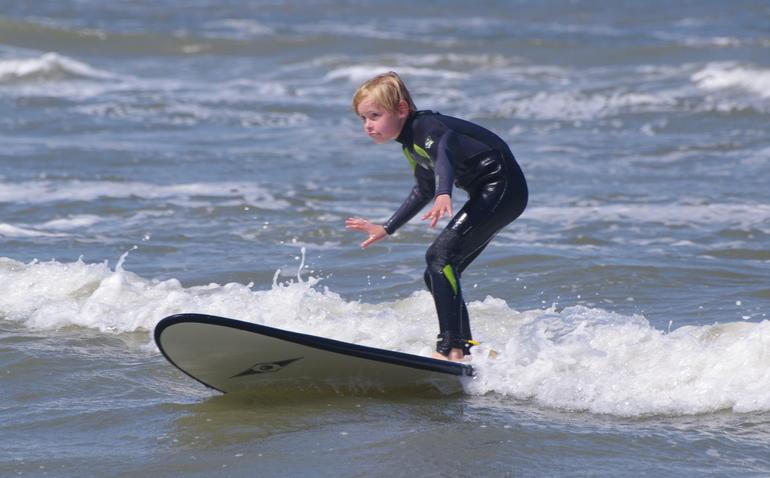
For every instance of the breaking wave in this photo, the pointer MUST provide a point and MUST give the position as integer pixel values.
(577, 358)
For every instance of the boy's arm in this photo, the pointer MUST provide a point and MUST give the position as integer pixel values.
(421, 194)
(445, 174)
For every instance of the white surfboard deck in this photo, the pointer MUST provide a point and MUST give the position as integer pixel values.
(232, 356)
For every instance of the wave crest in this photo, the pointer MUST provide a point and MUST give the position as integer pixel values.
(48, 67)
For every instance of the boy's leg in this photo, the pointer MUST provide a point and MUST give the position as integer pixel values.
(492, 207)
(444, 284)
(447, 257)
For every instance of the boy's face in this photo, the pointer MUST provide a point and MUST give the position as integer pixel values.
(379, 123)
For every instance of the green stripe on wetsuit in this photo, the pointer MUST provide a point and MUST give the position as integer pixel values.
(412, 162)
(410, 158)
(449, 273)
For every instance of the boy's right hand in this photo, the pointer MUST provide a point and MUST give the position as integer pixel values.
(442, 206)
(375, 231)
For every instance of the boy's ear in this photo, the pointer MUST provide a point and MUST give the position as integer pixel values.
(403, 109)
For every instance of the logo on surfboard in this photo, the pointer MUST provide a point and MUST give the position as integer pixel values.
(266, 367)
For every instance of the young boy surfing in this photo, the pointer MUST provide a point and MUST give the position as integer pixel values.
(443, 151)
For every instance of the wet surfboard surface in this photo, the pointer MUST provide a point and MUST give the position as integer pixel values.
(235, 356)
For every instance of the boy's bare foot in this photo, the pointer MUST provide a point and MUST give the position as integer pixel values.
(455, 355)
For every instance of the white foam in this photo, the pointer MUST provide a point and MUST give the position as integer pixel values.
(50, 66)
(594, 360)
(745, 216)
(359, 73)
(45, 191)
(435, 60)
(574, 105)
(72, 222)
(722, 76)
(355, 30)
(190, 114)
(10, 230)
(552, 93)
(578, 358)
(718, 41)
(52, 295)
(238, 28)
(52, 228)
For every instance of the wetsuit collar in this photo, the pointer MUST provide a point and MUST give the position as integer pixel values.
(405, 136)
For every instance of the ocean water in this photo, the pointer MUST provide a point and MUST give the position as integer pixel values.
(201, 156)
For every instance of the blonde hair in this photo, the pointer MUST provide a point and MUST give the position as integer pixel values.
(386, 89)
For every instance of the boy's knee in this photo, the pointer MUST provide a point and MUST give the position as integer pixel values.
(439, 254)
(428, 281)
(435, 257)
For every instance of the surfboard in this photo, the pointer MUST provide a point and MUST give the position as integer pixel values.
(234, 356)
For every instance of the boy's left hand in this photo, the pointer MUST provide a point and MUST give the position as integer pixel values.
(442, 206)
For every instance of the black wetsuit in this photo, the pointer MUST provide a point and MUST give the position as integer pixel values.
(443, 151)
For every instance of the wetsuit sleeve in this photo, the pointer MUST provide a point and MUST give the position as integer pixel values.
(421, 194)
(445, 174)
